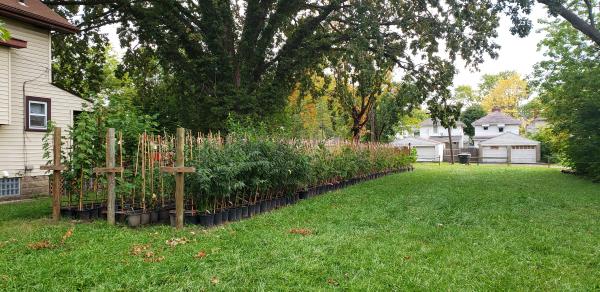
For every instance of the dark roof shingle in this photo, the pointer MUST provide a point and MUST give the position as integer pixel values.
(495, 118)
(37, 13)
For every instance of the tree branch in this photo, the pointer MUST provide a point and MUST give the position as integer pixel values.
(574, 19)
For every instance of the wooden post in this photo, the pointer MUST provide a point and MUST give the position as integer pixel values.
(179, 171)
(110, 171)
(110, 162)
(56, 169)
(179, 162)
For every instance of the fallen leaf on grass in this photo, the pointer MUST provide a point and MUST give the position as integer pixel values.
(68, 234)
(407, 258)
(177, 241)
(214, 280)
(40, 245)
(301, 231)
(200, 255)
(332, 281)
(154, 259)
(137, 249)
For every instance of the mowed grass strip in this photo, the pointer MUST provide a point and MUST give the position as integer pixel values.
(440, 227)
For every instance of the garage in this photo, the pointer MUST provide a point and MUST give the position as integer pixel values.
(511, 148)
(427, 150)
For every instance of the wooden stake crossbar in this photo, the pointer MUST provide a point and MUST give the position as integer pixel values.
(110, 170)
(56, 168)
(179, 170)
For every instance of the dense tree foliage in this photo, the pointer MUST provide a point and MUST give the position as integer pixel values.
(569, 92)
(194, 62)
(470, 115)
(506, 95)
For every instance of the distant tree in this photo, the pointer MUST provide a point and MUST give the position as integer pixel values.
(532, 109)
(395, 105)
(507, 95)
(490, 81)
(4, 34)
(470, 115)
(407, 123)
(466, 94)
(446, 114)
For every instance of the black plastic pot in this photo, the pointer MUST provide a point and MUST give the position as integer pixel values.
(206, 220)
(245, 212)
(163, 215)
(85, 214)
(154, 216)
(263, 206)
(189, 217)
(218, 218)
(251, 210)
(302, 195)
(146, 218)
(66, 212)
(134, 219)
(238, 213)
(232, 215)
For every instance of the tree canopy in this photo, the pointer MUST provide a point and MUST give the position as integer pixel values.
(568, 85)
(194, 62)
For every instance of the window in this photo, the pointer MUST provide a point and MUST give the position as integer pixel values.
(435, 129)
(523, 147)
(485, 128)
(501, 129)
(37, 114)
(9, 186)
(494, 147)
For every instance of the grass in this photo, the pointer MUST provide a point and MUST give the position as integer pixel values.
(438, 228)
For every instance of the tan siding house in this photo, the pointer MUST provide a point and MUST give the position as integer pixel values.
(28, 100)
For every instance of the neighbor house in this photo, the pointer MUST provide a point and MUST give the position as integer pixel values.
(535, 125)
(427, 150)
(494, 124)
(510, 147)
(28, 99)
(434, 131)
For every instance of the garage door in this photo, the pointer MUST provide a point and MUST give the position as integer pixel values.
(426, 153)
(495, 154)
(523, 154)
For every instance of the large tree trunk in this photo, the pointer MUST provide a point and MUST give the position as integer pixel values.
(451, 147)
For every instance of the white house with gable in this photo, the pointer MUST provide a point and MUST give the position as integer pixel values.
(494, 124)
(431, 131)
(28, 99)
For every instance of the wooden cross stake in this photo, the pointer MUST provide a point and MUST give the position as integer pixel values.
(179, 170)
(110, 171)
(56, 169)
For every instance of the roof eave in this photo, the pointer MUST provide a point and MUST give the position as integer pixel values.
(38, 21)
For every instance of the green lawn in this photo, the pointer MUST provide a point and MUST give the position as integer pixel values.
(437, 228)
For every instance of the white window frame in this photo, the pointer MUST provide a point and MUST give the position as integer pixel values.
(30, 114)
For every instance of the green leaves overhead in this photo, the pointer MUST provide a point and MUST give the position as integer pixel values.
(197, 61)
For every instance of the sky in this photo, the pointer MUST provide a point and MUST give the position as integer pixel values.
(516, 54)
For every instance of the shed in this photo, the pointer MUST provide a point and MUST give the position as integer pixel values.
(510, 147)
(427, 150)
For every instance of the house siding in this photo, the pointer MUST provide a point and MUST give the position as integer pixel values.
(494, 131)
(21, 149)
(4, 86)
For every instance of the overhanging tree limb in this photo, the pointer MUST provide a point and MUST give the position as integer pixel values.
(578, 23)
